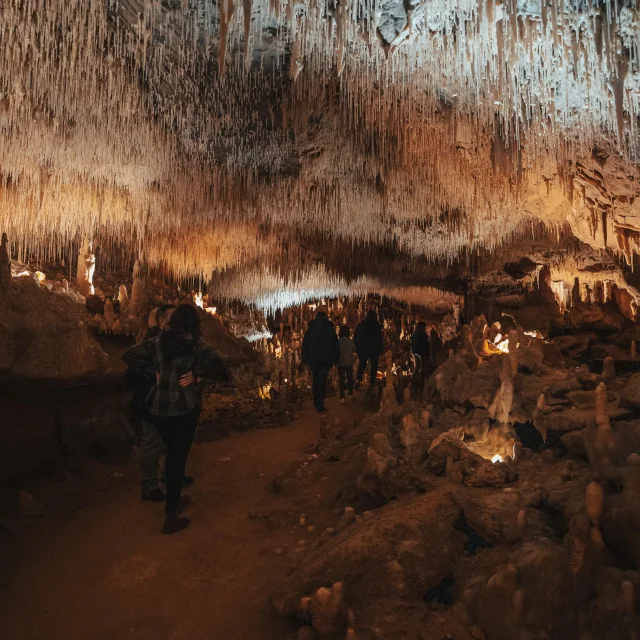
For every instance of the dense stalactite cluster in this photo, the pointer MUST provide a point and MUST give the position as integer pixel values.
(431, 127)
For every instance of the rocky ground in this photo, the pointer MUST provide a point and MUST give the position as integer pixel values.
(496, 500)
(418, 534)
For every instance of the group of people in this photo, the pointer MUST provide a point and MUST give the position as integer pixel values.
(164, 372)
(166, 367)
(322, 349)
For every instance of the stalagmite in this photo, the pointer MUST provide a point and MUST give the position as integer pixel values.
(594, 505)
(500, 408)
(138, 295)
(86, 269)
(109, 314)
(123, 298)
(608, 370)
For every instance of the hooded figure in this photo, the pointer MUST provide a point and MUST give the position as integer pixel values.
(369, 346)
(177, 358)
(320, 351)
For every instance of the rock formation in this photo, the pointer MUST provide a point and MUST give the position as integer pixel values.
(86, 269)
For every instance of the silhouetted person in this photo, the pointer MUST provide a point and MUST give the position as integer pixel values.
(346, 361)
(369, 346)
(435, 348)
(177, 358)
(151, 442)
(420, 349)
(320, 351)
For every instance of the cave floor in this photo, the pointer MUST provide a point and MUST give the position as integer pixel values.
(106, 572)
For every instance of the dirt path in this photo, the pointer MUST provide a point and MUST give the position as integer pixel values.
(107, 573)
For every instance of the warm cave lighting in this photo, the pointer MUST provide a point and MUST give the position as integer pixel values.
(497, 458)
(503, 346)
(211, 310)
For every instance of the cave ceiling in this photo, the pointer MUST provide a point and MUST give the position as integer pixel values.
(259, 142)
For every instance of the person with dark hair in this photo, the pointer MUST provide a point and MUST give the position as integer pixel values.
(163, 315)
(177, 358)
(320, 351)
(151, 442)
(346, 361)
(369, 346)
(420, 349)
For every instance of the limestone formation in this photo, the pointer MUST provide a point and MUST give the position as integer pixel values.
(328, 611)
(109, 314)
(600, 443)
(451, 162)
(123, 298)
(86, 269)
(594, 505)
(608, 370)
(500, 407)
(138, 295)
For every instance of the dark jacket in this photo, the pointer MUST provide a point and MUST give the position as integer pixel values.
(154, 332)
(320, 344)
(368, 337)
(420, 343)
(170, 357)
(141, 383)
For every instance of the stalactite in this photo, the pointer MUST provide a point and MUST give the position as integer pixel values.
(405, 122)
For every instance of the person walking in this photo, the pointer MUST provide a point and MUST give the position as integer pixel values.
(320, 351)
(177, 358)
(369, 346)
(420, 349)
(346, 361)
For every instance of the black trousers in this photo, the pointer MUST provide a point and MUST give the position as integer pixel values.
(363, 358)
(320, 372)
(345, 375)
(177, 433)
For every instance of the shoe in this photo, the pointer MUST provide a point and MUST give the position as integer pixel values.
(322, 410)
(187, 481)
(356, 386)
(341, 400)
(174, 522)
(352, 397)
(155, 495)
(185, 501)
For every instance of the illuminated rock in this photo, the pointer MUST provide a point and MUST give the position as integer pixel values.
(86, 269)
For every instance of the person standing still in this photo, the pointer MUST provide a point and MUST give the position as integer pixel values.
(177, 358)
(347, 359)
(369, 346)
(320, 351)
(151, 443)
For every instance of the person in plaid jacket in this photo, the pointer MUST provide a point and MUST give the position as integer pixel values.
(177, 358)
